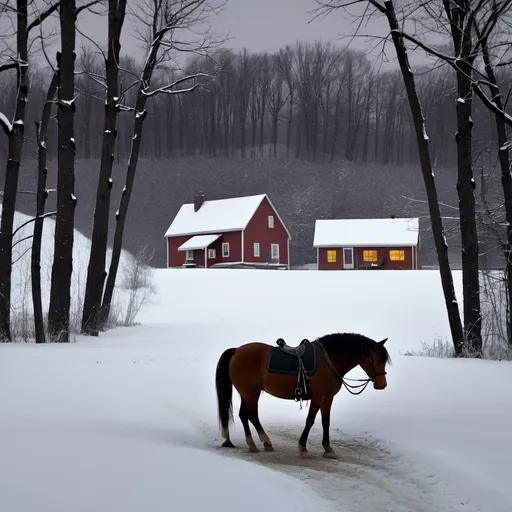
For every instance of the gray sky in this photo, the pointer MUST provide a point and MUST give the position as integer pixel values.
(258, 25)
(265, 25)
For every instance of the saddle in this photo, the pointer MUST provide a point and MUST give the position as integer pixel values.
(299, 360)
(293, 351)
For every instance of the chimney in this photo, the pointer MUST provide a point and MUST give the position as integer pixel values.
(198, 201)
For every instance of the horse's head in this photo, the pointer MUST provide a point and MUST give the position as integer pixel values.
(375, 364)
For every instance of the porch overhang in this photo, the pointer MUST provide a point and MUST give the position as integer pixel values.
(198, 242)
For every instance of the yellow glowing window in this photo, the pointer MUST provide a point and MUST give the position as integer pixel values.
(331, 256)
(370, 255)
(397, 255)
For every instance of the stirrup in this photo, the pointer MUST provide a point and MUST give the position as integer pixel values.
(297, 394)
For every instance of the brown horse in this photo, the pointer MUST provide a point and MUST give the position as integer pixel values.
(312, 371)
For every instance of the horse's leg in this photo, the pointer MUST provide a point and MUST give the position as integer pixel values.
(326, 420)
(252, 411)
(244, 418)
(310, 421)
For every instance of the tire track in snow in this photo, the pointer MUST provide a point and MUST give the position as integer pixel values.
(366, 476)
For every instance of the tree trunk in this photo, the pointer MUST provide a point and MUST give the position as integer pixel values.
(506, 178)
(96, 272)
(290, 121)
(42, 194)
(15, 147)
(122, 213)
(428, 178)
(62, 269)
(466, 185)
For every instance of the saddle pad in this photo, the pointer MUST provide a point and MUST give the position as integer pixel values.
(282, 362)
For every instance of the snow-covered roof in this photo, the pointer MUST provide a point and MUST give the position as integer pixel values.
(198, 242)
(218, 216)
(366, 232)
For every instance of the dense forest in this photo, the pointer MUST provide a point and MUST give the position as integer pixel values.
(317, 101)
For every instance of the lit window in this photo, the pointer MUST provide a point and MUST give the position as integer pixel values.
(225, 250)
(331, 256)
(271, 221)
(256, 249)
(397, 255)
(370, 255)
(212, 253)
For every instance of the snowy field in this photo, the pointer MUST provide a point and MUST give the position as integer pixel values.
(127, 421)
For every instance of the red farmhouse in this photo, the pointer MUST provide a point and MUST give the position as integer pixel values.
(346, 244)
(235, 232)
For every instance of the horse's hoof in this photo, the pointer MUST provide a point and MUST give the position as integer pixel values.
(269, 448)
(303, 453)
(253, 449)
(331, 455)
(228, 444)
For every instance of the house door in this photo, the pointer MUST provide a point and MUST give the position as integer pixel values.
(348, 258)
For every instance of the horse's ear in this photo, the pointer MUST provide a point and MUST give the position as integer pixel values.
(383, 341)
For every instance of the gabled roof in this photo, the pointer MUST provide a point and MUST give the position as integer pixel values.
(366, 232)
(218, 216)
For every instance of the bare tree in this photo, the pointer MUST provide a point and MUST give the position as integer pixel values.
(470, 24)
(15, 133)
(505, 166)
(162, 19)
(422, 140)
(96, 272)
(62, 268)
(42, 194)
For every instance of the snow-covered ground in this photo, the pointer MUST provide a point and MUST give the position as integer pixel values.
(128, 420)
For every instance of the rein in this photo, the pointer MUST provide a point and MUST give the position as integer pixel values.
(343, 379)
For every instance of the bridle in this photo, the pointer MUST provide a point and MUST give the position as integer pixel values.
(343, 379)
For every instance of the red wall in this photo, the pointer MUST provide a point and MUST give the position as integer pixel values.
(177, 258)
(258, 231)
(323, 264)
(358, 258)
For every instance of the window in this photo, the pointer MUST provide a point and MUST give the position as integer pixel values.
(189, 255)
(397, 255)
(212, 254)
(256, 249)
(331, 256)
(225, 250)
(270, 221)
(274, 251)
(370, 255)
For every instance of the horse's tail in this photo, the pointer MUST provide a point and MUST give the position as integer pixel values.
(224, 388)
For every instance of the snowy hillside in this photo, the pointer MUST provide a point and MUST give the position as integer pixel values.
(128, 421)
(21, 292)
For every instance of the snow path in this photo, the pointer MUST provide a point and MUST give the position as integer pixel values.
(367, 476)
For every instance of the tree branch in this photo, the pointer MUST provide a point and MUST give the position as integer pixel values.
(39, 20)
(5, 124)
(167, 88)
(49, 214)
(452, 61)
(7, 66)
(85, 6)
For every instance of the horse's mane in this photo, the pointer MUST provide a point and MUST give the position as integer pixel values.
(353, 344)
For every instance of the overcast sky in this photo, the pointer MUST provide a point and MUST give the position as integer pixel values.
(258, 25)
(267, 25)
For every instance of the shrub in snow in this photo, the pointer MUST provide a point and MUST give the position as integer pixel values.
(137, 281)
